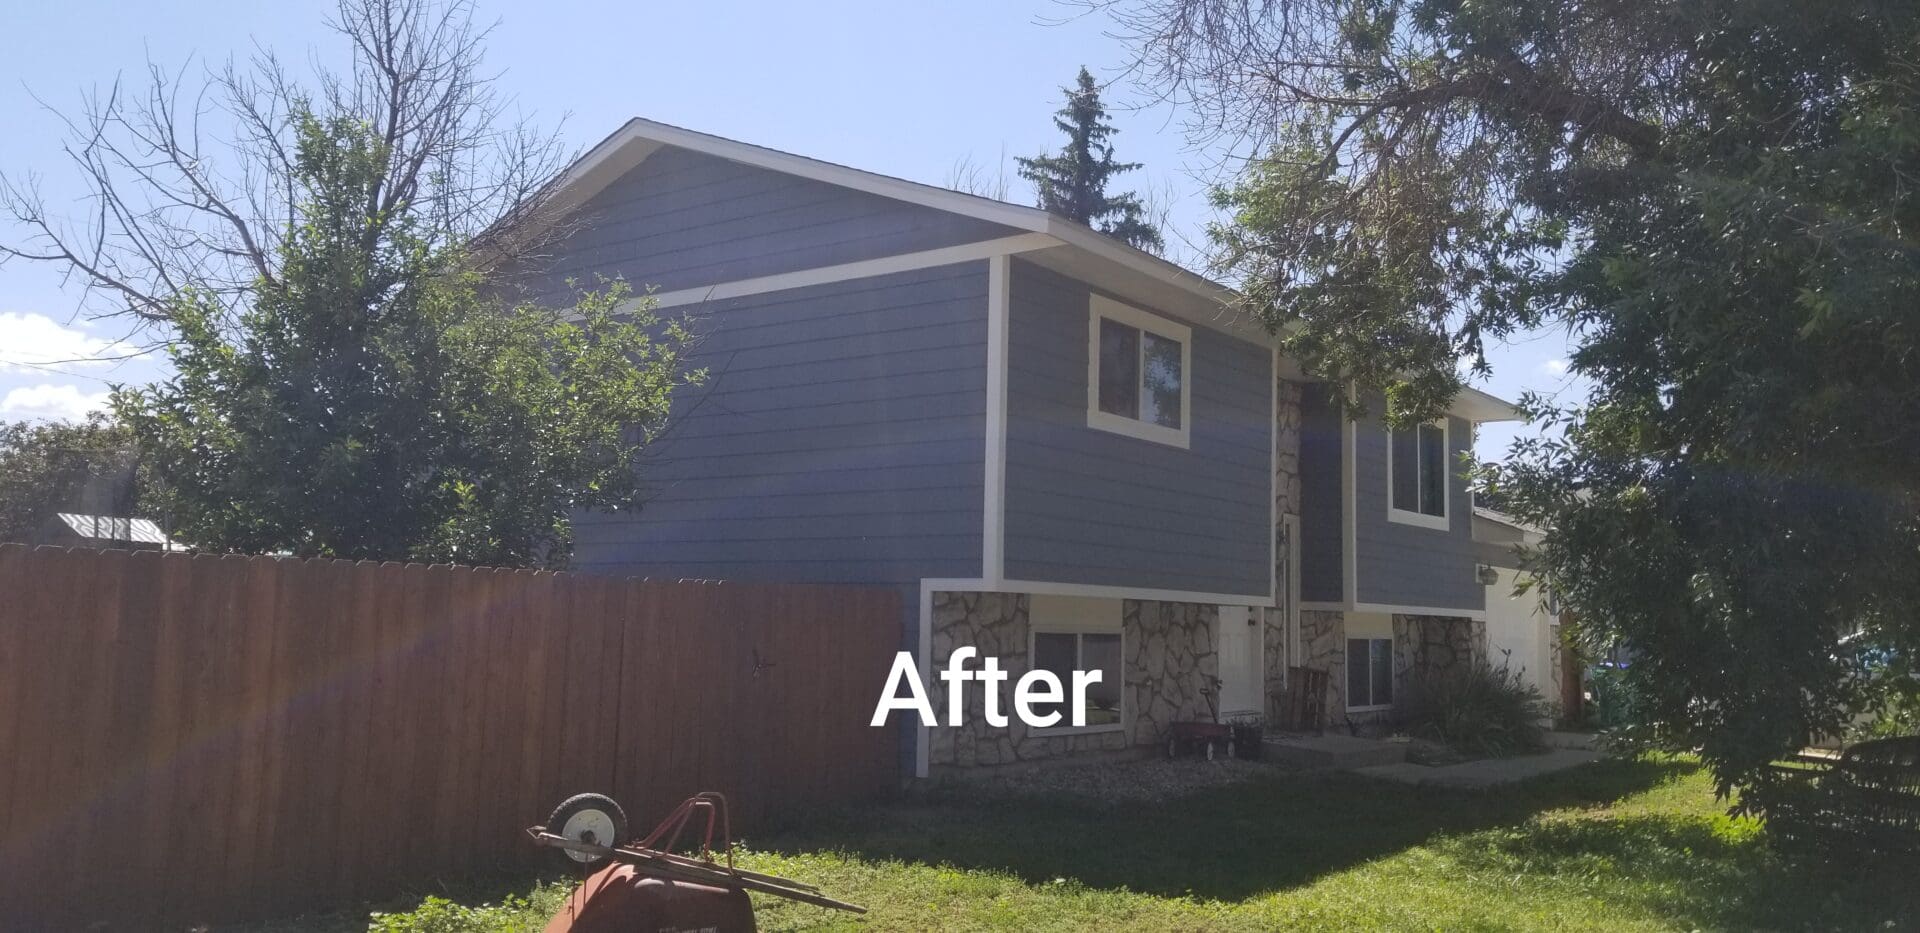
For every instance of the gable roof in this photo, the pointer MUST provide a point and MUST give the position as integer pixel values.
(1081, 251)
(630, 145)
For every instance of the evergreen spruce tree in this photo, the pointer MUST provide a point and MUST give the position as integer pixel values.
(1073, 184)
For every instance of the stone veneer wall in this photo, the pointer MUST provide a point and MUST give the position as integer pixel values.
(1323, 645)
(1420, 643)
(1554, 660)
(1436, 645)
(1286, 439)
(1170, 657)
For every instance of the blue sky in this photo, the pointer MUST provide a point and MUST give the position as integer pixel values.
(909, 89)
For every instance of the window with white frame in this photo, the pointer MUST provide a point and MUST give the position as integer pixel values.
(1417, 470)
(1137, 370)
(1071, 633)
(1062, 653)
(1369, 673)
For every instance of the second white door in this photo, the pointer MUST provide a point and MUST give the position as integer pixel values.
(1242, 676)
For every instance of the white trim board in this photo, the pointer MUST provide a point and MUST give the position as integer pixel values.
(846, 272)
(1100, 591)
(1293, 604)
(923, 734)
(1478, 615)
(1349, 551)
(1274, 577)
(993, 511)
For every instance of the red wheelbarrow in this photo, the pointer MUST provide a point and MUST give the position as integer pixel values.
(648, 887)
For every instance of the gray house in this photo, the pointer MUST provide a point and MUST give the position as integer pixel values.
(1065, 452)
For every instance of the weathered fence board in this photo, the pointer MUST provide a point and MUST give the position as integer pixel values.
(189, 739)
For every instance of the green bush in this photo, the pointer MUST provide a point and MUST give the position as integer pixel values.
(1896, 715)
(514, 914)
(1478, 709)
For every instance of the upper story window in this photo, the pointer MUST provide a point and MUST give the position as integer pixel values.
(1417, 470)
(1137, 366)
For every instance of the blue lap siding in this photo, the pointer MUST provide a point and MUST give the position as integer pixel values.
(1088, 506)
(683, 220)
(1395, 563)
(1409, 565)
(840, 438)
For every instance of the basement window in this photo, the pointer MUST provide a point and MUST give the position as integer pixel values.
(1062, 653)
(1369, 674)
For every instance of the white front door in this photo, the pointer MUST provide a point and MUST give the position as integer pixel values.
(1241, 662)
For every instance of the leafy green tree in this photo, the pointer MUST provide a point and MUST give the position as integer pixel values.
(1714, 199)
(49, 467)
(1073, 184)
(315, 255)
(376, 401)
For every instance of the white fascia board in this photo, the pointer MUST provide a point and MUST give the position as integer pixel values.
(1482, 407)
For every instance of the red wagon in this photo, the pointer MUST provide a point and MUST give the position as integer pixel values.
(1196, 738)
(648, 886)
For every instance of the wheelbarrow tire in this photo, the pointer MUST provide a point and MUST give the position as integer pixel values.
(594, 818)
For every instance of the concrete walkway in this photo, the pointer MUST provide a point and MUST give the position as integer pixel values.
(1331, 751)
(1485, 773)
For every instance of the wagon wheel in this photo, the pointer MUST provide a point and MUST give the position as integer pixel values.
(589, 818)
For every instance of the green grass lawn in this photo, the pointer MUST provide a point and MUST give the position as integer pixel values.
(1620, 845)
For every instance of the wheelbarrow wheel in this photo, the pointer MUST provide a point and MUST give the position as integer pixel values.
(590, 818)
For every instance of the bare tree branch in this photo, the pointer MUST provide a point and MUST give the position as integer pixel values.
(189, 181)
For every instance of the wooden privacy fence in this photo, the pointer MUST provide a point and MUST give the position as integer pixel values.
(202, 738)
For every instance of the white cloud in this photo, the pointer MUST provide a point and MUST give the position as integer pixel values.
(48, 402)
(29, 341)
(1556, 367)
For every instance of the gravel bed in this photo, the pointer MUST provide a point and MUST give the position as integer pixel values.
(1124, 782)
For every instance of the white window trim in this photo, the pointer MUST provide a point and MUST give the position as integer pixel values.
(1442, 521)
(1371, 707)
(1069, 628)
(1100, 306)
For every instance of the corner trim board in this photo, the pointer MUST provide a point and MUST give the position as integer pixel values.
(923, 739)
(1275, 579)
(993, 531)
(1349, 556)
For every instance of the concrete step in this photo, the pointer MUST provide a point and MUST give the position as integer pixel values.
(1582, 741)
(1332, 752)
